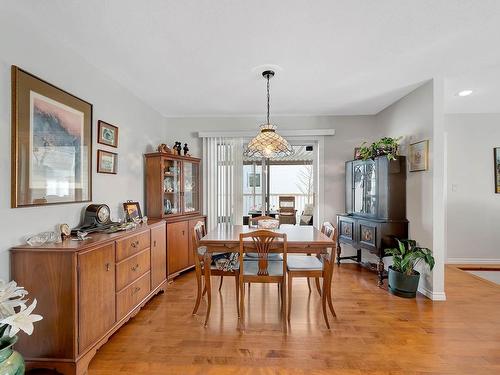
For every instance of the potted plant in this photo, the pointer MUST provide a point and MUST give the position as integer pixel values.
(386, 146)
(15, 315)
(403, 278)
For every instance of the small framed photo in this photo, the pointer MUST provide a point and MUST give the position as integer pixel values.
(132, 210)
(107, 134)
(419, 156)
(107, 162)
(496, 154)
(357, 154)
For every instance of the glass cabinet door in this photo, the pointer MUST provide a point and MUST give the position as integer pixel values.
(370, 191)
(358, 187)
(191, 187)
(171, 187)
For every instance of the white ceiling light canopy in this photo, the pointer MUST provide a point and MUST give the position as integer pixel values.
(465, 92)
(268, 143)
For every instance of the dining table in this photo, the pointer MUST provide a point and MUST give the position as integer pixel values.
(301, 239)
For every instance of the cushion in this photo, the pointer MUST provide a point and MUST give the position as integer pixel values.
(300, 262)
(255, 256)
(203, 249)
(274, 268)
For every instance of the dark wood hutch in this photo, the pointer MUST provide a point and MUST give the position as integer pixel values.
(375, 209)
(173, 193)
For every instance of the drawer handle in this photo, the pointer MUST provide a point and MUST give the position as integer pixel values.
(154, 243)
(134, 268)
(136, 290)
(135, 243)
(108, 266)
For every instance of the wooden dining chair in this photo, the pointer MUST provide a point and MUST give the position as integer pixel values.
(287, 212)
(254, 223)
(199, 260)
(320, 266)
(263, 270)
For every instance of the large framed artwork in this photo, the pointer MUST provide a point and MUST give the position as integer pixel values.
(51, 143)
(419, 156)
(496, 155)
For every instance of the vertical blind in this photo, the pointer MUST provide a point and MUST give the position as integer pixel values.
(223, 180)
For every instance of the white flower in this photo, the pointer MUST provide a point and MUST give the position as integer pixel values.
(10, 297)
(22, 320)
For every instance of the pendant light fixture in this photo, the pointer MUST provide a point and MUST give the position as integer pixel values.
(268, 144)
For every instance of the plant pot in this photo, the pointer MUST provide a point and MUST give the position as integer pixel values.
(402, 285)
(11, 362)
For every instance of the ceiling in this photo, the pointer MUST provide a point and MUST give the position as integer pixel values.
(197, 57)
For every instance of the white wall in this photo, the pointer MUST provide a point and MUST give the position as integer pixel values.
(141, 128)
(350, 131)
(473, 209)
(416, 117)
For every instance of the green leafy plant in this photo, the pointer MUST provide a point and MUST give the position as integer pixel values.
(407, 255)
(384, 146)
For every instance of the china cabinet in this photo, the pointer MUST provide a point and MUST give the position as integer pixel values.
(375, 208)
(173, 193)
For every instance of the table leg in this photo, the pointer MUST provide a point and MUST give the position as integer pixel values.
(207, 261)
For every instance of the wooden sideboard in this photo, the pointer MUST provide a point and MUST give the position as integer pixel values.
(86, 290)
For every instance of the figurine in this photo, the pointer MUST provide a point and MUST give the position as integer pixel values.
(163, 148)
(175, 148)
(179, 148)
(186, 149)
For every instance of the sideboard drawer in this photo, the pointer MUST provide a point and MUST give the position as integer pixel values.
(132, 245)
(132, 268)
(132, 295)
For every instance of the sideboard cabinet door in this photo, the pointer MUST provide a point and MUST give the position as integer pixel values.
(178, 246)
(96, 290)
(158, 255)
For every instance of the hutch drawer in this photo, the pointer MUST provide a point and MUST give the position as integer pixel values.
(132, 268)
(132, 245)
(132, 295)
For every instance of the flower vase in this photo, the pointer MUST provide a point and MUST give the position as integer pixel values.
(11, 362)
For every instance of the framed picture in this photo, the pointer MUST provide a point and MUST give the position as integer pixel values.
(419, 156)
(107, 134)
(107, 162)
(357, 154)
(253, 180)
(132, 210)
(51, 143)
(496, 154)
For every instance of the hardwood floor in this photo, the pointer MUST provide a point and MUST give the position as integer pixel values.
(374, 332)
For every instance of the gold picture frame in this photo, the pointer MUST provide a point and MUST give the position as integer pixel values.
(51, 160)
(419, 156)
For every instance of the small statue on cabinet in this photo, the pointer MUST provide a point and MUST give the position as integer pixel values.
(163, 148)
(186, 149)
(177, 148)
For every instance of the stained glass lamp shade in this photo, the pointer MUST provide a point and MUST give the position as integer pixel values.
(268, 144)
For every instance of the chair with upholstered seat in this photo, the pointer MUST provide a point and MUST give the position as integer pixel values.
(199, 261)
(254, 223)
(320, 266)
(287, 210)
(263, 270)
